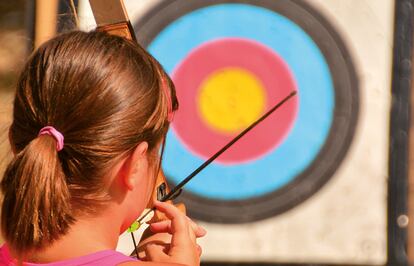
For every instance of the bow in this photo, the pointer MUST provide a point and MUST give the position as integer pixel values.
(111, 17)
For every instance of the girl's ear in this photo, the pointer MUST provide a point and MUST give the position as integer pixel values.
(135, 166)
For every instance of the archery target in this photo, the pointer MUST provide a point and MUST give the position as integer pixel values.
(231, 61)
(345, 221)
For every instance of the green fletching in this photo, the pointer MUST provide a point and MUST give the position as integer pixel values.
(134, 227)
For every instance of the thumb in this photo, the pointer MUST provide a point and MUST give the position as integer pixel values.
(156, 252)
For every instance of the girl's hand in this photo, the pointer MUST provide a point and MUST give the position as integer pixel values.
(183, 248)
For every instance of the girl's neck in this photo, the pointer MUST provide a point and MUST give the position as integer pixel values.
(86, 236)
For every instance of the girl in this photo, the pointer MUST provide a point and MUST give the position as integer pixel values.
(90, 113)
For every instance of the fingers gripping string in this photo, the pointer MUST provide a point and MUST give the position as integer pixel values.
(49, 130)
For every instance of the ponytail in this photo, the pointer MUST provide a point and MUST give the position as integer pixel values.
(36, 206)
(107, 95)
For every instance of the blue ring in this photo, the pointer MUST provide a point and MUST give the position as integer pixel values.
(316, 99)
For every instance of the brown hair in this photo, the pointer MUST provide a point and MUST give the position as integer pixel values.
(104, 94)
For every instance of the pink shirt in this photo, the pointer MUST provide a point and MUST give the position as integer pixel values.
(101, 258)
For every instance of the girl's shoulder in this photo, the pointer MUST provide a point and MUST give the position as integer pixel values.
(148, 263)
(100, 258)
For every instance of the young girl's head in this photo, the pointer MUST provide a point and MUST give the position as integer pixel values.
(106, 96)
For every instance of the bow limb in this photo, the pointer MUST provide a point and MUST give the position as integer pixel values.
(111, 17)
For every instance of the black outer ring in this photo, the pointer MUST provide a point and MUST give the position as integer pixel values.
(340, 135)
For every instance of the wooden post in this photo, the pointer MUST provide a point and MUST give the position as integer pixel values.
(410, 203)
(400, 244)
(410, 220)
(45, 21)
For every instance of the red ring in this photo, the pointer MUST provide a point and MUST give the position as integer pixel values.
(254, 57)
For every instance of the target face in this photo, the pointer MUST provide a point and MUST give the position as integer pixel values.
(231, 62)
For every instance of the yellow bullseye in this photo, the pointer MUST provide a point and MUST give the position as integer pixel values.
(230, 99)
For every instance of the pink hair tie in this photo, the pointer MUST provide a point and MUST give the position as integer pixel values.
(54, 133)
